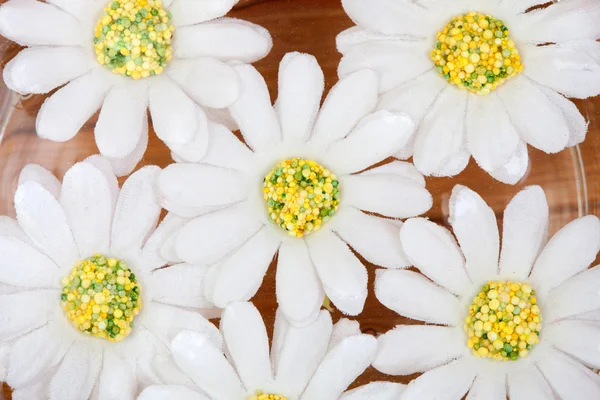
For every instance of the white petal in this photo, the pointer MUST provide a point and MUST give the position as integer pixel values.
(23, 266)
(173, 112)
(34, 23)
(576, 123)
(221, 116)
(388, 58)
(344, 277)
(137, 210)
(340, 367)
(515, 168)
(578, 295)
(412, 295)
(570, 251)
(377, 136)
(348, 39)
(153, 248)
(39, 174)
(121, 120)
(525, 232)
(34, 354)
(195, 150)
(301, 353)
(441, 133)
(25, 311)
(42, 69)
(103, 165)
(522, 5)
(298, 287)
(375, 391)
(400, 168)
(397, 197)
(192, 12)
(63, 114)
(352, 98)
(69, 382)
(125, 165)
(301, 84)
(527, 384)
(248, 344)
(253, 111)
(117, 381)
(374, 238)
(207, 366)
(434, 251)
(577, 338)
(449, 382)
(210, 237)
(407, 349)
(281, 327)
(389, 16)
(227, 39)
(573, 19)
(241, 275)
(474, 224)
(87, 203)
(208, 81)
(161, 392)
(43, 219)
(343, 329)
(78, 9)
(10, 227)
(179, 285)
(538, 121)
(568, 378)
(570, 71)
(491, 137)
(489, 387)
(225, 150)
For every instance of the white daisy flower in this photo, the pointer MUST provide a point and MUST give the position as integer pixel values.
(124, 56)
(298, 191)
(513, 69)
(318, 361)
(85, 300)
(521, 322)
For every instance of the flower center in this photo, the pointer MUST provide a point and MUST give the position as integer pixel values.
(266, 396)
(504, 322)
(301, 195)
(475, 52)
(133, 38)
(101, 297)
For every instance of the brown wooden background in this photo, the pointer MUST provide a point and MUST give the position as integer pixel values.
(311, 26)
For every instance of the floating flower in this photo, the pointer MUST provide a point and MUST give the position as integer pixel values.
(124, 56)
(482, 78)
(86, 302)
(520, 321)
(298, 191)
(318, 361)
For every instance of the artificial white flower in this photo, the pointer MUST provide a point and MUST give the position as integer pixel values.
(318, 361)
(538, 58)
(521, 322)
(238, 194)
(170, 56)
(57, 259)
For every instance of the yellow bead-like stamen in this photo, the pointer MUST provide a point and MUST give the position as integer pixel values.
(301, 195)
(101, 297)
(133, 38)
(266, 396)
(475, 52)
(504, 321)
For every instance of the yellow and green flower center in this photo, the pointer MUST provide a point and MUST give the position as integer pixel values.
(475, 52)
(504, 321)
(266, 396)
(101, 297)
(133, 38)
(301, 195)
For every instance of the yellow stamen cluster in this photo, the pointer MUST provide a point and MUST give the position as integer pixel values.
(475, 52)
(101, 297)
(301, 195)
(133, 38)
(504, 321)
(266, 396)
